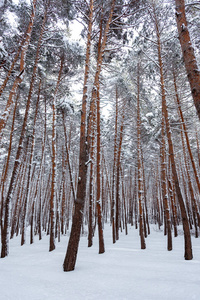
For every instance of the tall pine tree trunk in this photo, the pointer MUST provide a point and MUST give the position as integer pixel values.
(190, 61)
(188, 244)
(186, 133)
(20, 76)
(139, 166)
(72, 250)
(98, 200)
(164, 188)
(54, 154)
(114, 170)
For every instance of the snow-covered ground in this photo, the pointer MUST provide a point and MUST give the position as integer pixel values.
(124, 271)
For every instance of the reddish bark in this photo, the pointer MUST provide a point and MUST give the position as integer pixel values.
(188, 53)
(188, 244)
(19, 78)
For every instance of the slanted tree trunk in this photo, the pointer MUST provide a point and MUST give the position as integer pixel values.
(39, 208)
(12, 66)
(191, 190)
(20, 145)
(68, 159)
(70, 258)
(198, 148)
(188, 204)
(186, 133)
(20, 76)
(4, 204)
(188, 53)
(188, 244)
(72, 249)
(18, 199)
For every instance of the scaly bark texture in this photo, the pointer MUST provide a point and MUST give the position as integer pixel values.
(188, 53)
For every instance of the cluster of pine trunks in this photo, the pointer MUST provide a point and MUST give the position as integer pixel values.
(92, 191)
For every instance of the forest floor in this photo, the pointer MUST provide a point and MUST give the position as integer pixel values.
(124, 271)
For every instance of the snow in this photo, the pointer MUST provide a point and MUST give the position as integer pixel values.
(12, 21)
(124, 271)
(150, 115)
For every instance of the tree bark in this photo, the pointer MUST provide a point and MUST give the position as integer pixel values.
(20, 145)
(72, 249)
(188, 53)
(188, 244)
(114, 169)
(54, 154)
(118, 165)
(139, 166)
(19, 78)
(98, 200)
(164, 188)
(186, 134)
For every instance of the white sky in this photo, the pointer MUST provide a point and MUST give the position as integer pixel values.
(75, 28)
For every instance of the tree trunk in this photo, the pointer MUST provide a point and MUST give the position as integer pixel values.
(139, 166)
(20, 145)
(72, 249)
(70, 258)
(186, 134)
(54, 154)
(19, 78)
(98, 203)
(164, 188)
(5, 208)
(188, 244)
(113, 175)
(188, 53)
(91, 196)
(29, 169)
(118, 165)
(191, 190)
